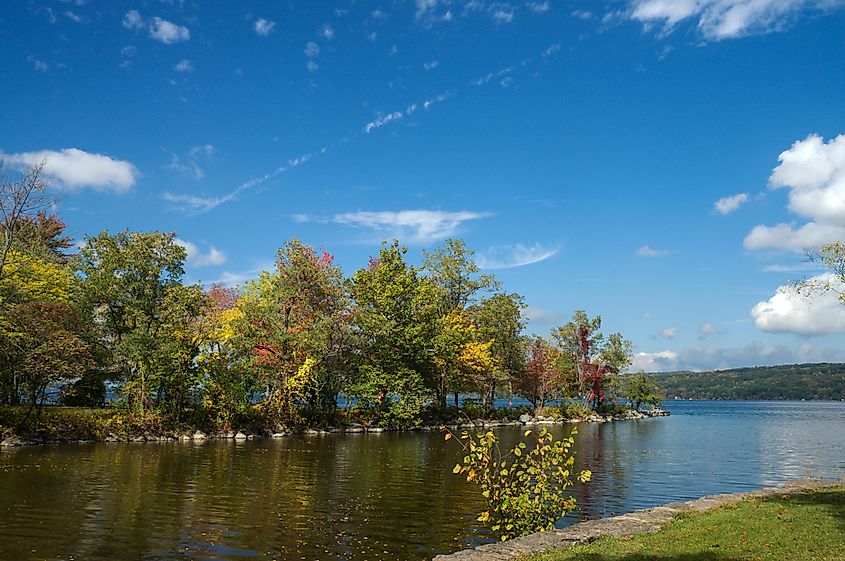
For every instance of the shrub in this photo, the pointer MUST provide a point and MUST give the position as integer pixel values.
(525, 488)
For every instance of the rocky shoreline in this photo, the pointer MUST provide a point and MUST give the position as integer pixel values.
(196, 435)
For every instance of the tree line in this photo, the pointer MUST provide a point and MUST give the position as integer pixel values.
(302, 344)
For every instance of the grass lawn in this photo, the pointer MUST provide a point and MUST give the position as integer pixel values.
(802, 527)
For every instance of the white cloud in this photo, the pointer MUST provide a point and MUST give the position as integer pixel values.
(327, 32)
(157, 28)
(655, 362)
(168, 32)
(723, 19)
(133, 20)
(669, 332)
(264, 27)
(503, 15)
(646, 251)
(184, 65)
(413, 226)
(727, 205)
(207, 150)
(705, 330)
(814, 173)
(535, 314)
(792, 268)
(720, 358)
(312, 66)
(74, 169)
(38, 64)
(431, 65)
(512, 256)
(198, 258)
(582, 14)
(312, 49)
(790, 311)
(539, 7)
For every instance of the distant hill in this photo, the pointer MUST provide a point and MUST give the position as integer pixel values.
(794, 381)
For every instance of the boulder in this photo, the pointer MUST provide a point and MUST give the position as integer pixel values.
(199, 435)
(240, 436)
(10, 441)
(525, 418)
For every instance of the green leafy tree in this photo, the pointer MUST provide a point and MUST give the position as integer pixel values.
(641, 389)
(525, 488)
(499, 318)
(452, 267)
(132, 291)
(395, 320)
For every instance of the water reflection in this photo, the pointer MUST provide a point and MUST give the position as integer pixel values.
(375, 496)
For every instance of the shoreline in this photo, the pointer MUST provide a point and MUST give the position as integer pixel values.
(193, 434)
(643, 521)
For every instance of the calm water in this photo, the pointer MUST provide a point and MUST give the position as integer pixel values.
(379, 496)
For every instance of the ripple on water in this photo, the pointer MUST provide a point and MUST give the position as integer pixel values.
(386, 496)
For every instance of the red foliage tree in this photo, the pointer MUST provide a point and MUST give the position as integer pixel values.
(542, 380)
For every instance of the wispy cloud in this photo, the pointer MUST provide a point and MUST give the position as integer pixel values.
(197, 204)
(725, 19)
(413, 226)
(515, 255)
(647, 251)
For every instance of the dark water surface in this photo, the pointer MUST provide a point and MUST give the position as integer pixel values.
(379, 496)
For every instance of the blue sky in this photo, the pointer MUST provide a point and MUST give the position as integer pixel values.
(662, 163)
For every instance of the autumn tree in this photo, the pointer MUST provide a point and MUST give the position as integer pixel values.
(463, 359)
(228, 386)
(294, 324)
(596, 361)
(21, 199)
(47, 348)
(543, 379)
(31, 280)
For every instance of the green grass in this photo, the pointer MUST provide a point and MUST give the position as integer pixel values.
(808, 526)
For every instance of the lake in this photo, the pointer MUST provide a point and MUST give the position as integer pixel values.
(388, 496)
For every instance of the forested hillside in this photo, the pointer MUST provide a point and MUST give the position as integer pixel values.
(793, 381)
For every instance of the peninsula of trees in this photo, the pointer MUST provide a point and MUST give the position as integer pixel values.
(303, 345)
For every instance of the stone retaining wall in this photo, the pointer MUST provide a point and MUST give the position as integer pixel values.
(637, 522)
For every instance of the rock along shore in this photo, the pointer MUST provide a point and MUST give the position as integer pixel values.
(353, 428)
(638, 522)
